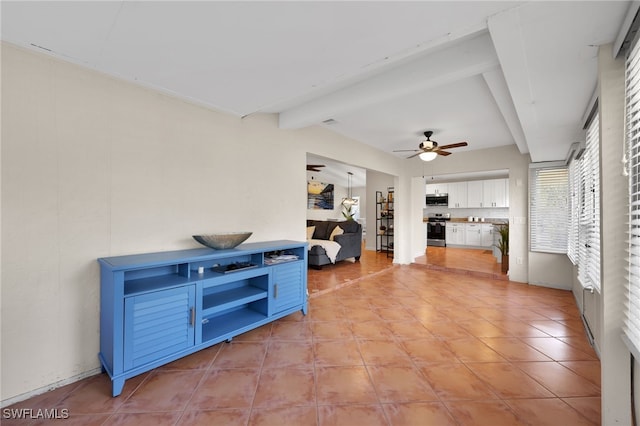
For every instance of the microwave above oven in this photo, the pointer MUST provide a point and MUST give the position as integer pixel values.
(437, 199)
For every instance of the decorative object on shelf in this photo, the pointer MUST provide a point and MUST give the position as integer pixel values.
(503, 246)
(319, 195)
(223, 240)
(382, 229)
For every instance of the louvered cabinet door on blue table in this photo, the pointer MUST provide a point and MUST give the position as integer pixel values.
(286, 290)
(159, 307)
(158, 324)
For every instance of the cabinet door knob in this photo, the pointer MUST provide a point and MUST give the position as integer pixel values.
(275, 291)
(192, 316)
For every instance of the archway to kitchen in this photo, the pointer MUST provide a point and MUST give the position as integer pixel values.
(462, 216)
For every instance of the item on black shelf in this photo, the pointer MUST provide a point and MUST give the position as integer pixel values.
(233, 267)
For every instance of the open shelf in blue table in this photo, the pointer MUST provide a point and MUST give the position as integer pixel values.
(228, 299)
(227, 323)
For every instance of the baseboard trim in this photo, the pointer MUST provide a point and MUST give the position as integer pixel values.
(58, 384)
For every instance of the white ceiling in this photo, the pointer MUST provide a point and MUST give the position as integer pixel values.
(490, 73)
(336, 172)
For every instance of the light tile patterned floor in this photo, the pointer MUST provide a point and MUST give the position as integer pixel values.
(403, 345)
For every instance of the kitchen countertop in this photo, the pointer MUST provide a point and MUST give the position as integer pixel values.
(492, 221)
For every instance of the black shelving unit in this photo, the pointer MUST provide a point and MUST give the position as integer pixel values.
(384, 221)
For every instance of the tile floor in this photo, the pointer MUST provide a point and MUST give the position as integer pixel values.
(403, 345)
(476, 262)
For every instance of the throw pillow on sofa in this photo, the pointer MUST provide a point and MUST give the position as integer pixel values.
(336, 231)
(310, 231)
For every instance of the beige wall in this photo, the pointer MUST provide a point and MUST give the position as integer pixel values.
(93, 166)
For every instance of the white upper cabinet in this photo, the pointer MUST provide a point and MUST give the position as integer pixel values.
(474, 194)
(495, 193)
(437, 188)
(457, 194)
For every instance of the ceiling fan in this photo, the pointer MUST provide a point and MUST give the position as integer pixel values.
(429, 149)
(314, 167)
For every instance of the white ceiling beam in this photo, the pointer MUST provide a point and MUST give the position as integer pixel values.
(498, 87)
(506, 32)
(461, 61)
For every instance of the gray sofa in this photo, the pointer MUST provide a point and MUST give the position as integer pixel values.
(350, 241)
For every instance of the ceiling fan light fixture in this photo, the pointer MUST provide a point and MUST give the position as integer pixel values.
(427, 156)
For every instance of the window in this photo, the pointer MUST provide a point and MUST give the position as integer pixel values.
(632, 311)
(589, 209)
(548, 209)
(573, 247)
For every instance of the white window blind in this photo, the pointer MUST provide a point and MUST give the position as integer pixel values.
(573, 247)
(548, 209)
(632, 309)
(589, 213)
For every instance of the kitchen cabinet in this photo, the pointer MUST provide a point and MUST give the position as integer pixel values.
(487, 234)
(470, 234)
(437, 188)
(474, 194)
(495, 193)
(158, 307)
(455, 233)
(457, 194)
(473, 234)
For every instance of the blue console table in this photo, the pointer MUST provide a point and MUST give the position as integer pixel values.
(157, 307)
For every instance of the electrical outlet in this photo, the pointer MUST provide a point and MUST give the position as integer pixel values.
(519, 260)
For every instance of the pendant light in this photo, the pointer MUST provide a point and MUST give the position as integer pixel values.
(349, 201)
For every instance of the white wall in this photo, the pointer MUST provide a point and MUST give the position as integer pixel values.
(550, 270)
(615, 357)
(93, 166)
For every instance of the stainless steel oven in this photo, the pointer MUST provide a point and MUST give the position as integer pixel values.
(437, 229)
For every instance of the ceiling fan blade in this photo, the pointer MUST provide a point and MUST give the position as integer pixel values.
(414, 155)
(453, 145)
(441, 152)
(407, 150)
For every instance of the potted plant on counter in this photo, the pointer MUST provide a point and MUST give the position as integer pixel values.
(503, 246)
